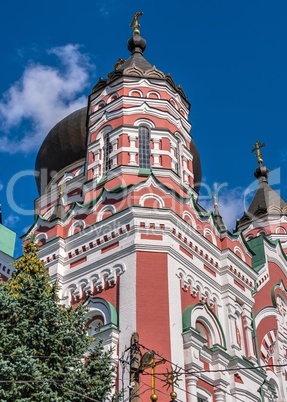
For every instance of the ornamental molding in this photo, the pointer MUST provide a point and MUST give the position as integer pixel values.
(153, 81)
(136, 71)
(197, 287)
(145, 107)
(95, 283)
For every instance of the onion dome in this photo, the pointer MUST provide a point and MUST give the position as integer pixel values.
(64, 144)
(266, 201)
(136, 45)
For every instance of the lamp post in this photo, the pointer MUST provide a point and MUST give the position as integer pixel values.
(148, 361)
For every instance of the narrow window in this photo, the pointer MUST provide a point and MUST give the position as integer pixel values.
(144, 147)
(107, 162)
(177, 156)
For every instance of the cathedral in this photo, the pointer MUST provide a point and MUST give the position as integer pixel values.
(193, 312)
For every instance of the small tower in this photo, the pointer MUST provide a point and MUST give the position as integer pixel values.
(267, 211)
(217, 217)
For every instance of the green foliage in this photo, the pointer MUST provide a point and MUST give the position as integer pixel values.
(43, 347)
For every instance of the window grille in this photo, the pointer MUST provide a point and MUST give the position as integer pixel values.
(177, 157)
(144, 147)
(107, 162)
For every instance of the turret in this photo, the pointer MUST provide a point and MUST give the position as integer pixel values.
(267, 211)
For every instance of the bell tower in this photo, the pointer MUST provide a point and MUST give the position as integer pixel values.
(138, 126)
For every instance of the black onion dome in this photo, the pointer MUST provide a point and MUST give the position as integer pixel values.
(261, 173)
(136, 44)
(64, 144)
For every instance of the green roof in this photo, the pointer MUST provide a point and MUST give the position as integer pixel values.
(7, 240)
(257, 246)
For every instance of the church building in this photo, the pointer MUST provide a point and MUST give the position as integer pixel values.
(193, 312)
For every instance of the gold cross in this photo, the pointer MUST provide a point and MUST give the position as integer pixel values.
(135, 22)
(258, 145)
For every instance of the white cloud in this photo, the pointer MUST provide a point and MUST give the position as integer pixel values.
(231, 204)
(11, 221)
(43, 95)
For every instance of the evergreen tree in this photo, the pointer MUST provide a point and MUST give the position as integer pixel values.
(43, 345)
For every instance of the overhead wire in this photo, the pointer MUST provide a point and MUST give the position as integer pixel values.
(184, 371)
(38, 381)
(203, 379)
(139, 394)
(125, 364)
(78, 393)
(115, 360)
(159, 390)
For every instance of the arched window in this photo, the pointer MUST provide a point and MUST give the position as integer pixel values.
(202, 318)
(95, 324)
(203, 331)
(144, 147)
(177, 157)
(178, 152)
(107, 161)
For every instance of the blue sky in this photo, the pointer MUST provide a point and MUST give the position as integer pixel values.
(229, 56)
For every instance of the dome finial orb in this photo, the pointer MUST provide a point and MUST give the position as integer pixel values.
(261, 172)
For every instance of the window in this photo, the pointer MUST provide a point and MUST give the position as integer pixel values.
(144, 147)
(178, 152)
(200, 399)
(177, 156)
(95, 324)
(107, 162)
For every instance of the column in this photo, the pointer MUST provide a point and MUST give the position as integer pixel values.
(219, 395)
(133, 150)
(114, 158)
(191, 383)
(156, 152)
